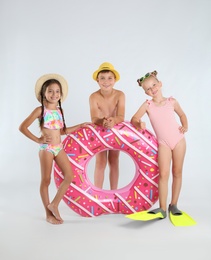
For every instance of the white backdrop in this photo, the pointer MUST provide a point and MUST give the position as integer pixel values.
(73, 38)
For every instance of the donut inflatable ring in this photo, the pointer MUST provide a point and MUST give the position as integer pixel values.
(82, 145)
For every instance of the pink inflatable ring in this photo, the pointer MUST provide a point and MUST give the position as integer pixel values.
(140, 194)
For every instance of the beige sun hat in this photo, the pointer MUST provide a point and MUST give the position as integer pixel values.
(46, 77)
(106, 66)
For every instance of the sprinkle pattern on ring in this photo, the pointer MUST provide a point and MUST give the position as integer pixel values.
(82, 145)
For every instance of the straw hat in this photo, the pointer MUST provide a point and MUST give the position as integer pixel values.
(106, 66)
(46, 77)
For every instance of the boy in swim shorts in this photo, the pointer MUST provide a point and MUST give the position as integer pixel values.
(107, 108)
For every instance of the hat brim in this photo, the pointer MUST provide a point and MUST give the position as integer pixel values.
(116, 73)
(46, 77)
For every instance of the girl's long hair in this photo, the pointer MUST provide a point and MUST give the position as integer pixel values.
(42, 99)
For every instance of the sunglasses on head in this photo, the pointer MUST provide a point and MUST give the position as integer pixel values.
(144, 77)
(154, 73)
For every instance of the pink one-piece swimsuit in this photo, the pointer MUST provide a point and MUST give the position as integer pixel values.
(164, 123)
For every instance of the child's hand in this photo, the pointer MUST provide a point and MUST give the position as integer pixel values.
(45, 139)
(105, 122)
(183, 129)
(142, 125)
(109, 122)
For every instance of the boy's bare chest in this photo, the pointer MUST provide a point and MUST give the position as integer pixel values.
(107, 106)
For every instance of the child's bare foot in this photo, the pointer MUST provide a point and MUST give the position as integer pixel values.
(51, 219)
(55, 212)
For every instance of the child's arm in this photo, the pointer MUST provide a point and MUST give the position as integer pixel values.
(94, 111)
(120, 113)
(27, 122)
(71, 129)
(136, 118)
(182, 116)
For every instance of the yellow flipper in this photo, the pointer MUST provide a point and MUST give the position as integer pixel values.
(145, 216)
(182, 220)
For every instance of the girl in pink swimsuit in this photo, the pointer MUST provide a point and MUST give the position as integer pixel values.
(51, 90)
(170, 135)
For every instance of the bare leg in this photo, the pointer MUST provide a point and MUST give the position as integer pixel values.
(113, 160)
(100, 165)
(177, 165)
(164, 162)
(46, 162)
(63, 162)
